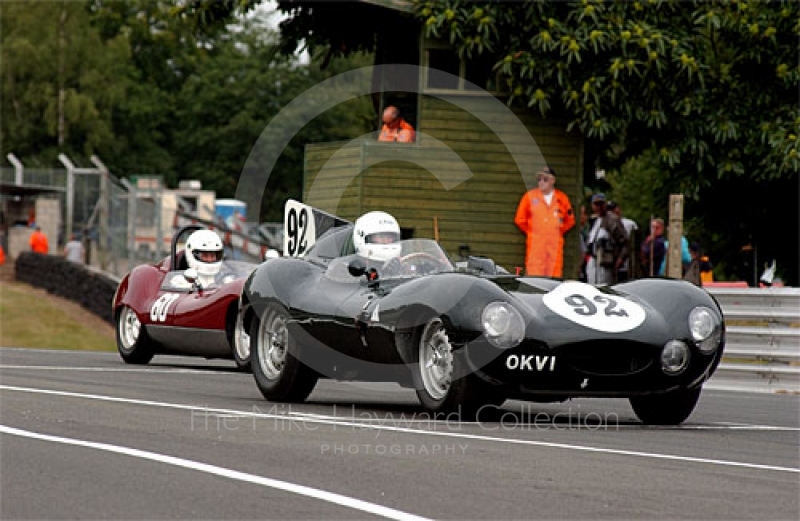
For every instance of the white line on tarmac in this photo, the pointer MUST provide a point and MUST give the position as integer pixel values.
(369, 417)
(116, 369)
(302, 490)
(511, 441)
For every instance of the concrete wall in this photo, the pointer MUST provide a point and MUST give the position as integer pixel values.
(48, 217)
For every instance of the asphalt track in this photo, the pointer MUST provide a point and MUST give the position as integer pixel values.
(84, 436)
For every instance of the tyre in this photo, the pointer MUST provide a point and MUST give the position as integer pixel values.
(133, 344)
(241, 344)
(275, 358)
(433, 375)
(670, 408)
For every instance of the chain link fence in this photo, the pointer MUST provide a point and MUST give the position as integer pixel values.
(123, 223)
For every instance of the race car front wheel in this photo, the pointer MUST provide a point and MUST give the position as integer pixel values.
(670, 408)
(132, 342)
(275, 358)
(241, 344)
(441, 384)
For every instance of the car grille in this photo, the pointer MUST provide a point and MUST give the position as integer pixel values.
(608, 357)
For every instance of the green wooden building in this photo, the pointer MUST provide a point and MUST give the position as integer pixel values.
(473, 160)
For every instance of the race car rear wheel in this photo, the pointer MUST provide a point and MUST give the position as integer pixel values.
(132, 342)
(275, 358)
(670, 408)
(436, 365)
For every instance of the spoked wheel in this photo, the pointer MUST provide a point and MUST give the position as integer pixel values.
(670, 408)
(436, 375)
(241, 344)
(132, 342)
(278, 372)
(435, 360)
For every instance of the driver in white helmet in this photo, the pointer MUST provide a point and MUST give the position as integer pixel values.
(204, 253)
(376, 236)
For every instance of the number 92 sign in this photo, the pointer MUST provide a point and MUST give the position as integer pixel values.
(298, 228)
(586, 305)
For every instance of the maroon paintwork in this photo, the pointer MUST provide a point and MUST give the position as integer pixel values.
(199, 322)
(204, 309)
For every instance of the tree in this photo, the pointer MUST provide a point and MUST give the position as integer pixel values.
(225, 105)
(61, 82)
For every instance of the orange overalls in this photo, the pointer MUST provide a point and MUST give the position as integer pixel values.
(400, 131)
(545, 226)
(38, 243)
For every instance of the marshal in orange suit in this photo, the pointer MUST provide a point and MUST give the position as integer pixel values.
(544, 215)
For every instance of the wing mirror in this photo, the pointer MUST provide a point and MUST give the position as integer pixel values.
(357, 267)
(190, 274)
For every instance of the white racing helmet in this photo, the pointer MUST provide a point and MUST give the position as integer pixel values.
(376, 236)
(204, 243)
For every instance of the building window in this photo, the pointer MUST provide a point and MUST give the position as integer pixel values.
(445, 71)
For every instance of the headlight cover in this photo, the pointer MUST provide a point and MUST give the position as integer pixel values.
(705, 329)
(502, 325)
(674, 357)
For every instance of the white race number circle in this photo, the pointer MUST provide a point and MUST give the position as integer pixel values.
(158, 313)
(584, 304)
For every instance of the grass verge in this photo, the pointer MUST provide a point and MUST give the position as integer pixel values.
(31, 317)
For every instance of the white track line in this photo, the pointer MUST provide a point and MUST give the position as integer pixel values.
(119, 369)
(460, 435)
(302, 490)
(720, 426)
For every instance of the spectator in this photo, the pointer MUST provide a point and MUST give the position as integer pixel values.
(2, 255)
(607, 244)
(544, 215)
(38, 241)
(686, 256)
(630, 228)
(692, 273)
(653, 249)
(706, 273)
(395, 128)
(73, 250)
(585, 227)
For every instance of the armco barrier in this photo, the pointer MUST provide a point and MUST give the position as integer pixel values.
(762, 351)
(91, 289)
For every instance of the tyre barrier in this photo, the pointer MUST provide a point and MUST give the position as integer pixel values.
(92, 289)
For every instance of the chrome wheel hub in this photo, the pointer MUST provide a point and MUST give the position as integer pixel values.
(272, 346)
(241, 340)
(130, 328)
(435, 360)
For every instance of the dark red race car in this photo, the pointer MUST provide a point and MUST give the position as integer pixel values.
(163, 308)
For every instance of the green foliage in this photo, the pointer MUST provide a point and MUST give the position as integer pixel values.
(39, 60)
(156, 88)
(711, 85)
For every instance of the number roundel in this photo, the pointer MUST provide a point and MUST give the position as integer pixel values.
(158, 313)
(584, 304)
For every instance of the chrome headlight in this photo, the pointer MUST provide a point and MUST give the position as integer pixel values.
(674, 357)
(502, 325)
(705, 328)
